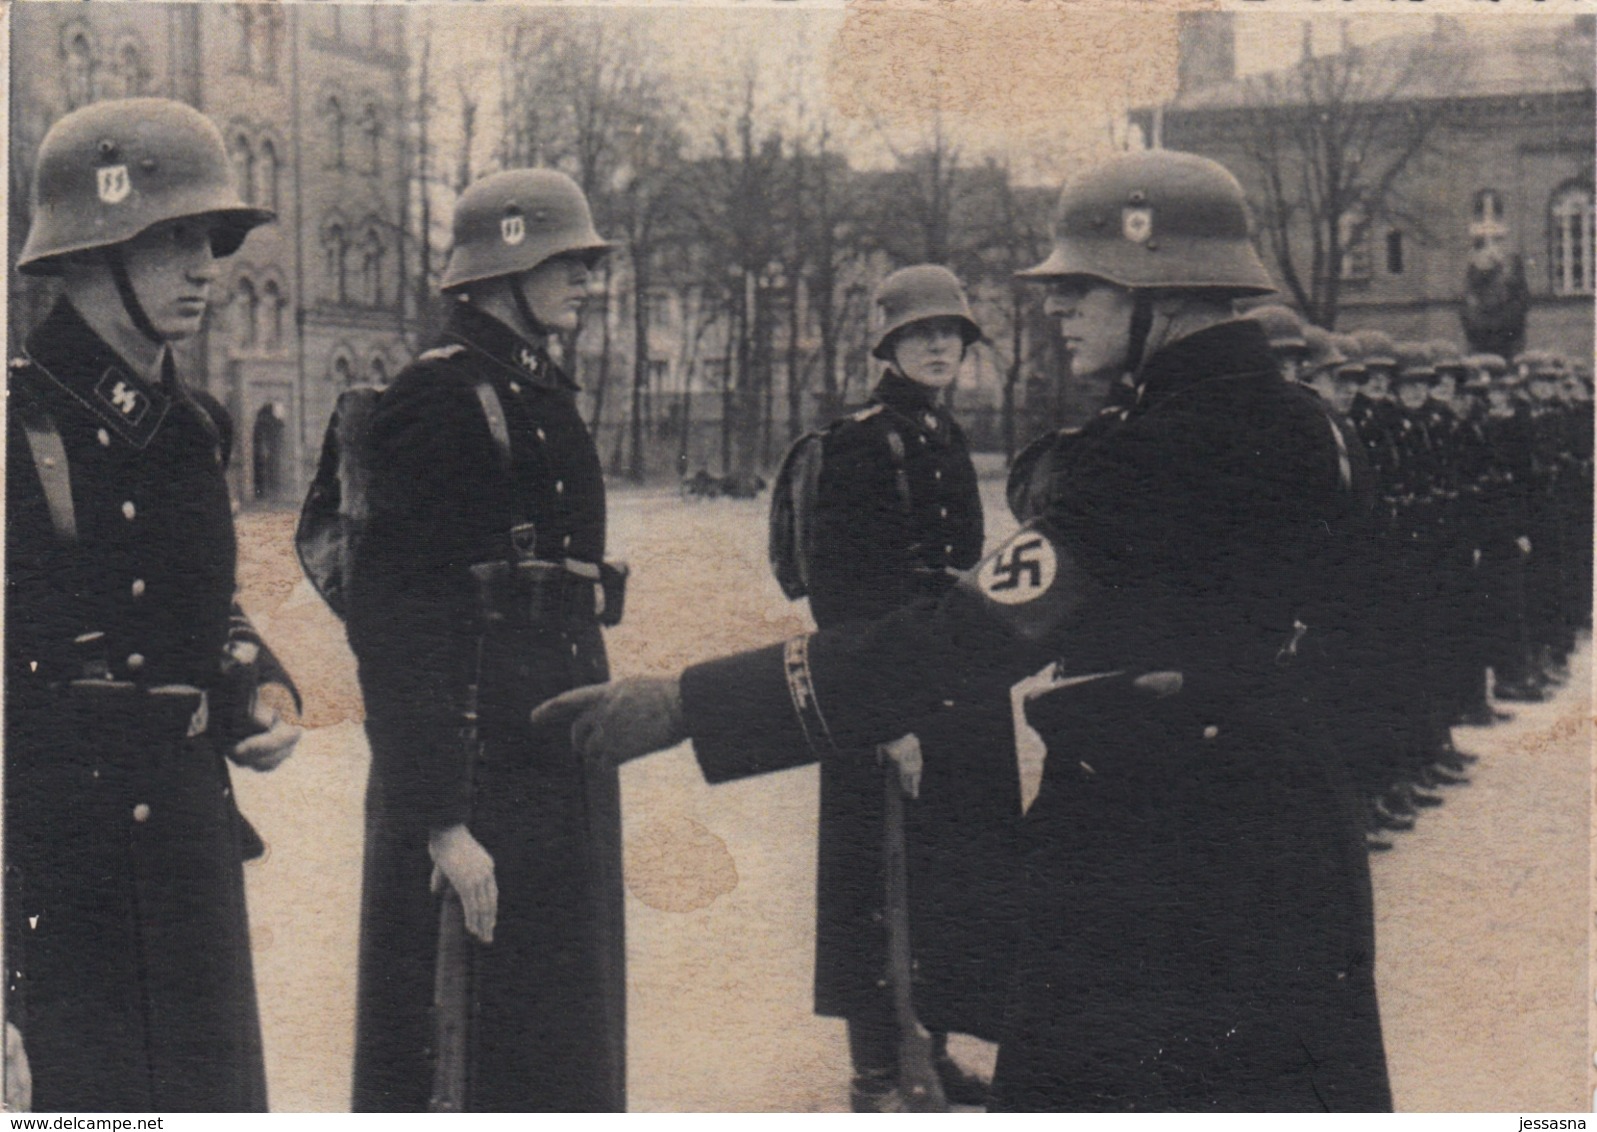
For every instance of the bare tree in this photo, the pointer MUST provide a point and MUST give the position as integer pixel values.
(1331, 141)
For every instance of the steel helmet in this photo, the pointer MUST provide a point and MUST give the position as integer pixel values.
(1348, 346)
(1413, 361)
(1158, 218)
(1376, 348)
(1322, 352)
(916, 294)
(512, 221)
(1490, 364)
(111, 170)
(1446, 357)
(1282, 327)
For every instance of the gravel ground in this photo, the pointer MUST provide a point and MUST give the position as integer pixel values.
(1482, 929)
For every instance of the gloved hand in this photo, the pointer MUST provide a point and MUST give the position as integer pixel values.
(620, 721)
(906, 753)
(19, 1077)
(460, 859)
(271, 745)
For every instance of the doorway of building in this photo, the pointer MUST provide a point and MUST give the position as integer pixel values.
(268, 451)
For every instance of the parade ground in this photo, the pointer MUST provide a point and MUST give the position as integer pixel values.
(1481, 910)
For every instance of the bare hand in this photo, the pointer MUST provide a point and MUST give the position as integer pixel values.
(19, 1077)
(270, 747)
(615, 723)
(460, 859)
(906, 753)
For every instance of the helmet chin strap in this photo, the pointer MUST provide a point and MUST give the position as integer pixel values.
(1141, 328)
(130, 298)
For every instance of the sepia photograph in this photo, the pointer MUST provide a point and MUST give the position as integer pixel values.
(720, 556)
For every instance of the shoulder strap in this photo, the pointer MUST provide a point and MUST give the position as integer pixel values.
(494, 411)
(50, 460)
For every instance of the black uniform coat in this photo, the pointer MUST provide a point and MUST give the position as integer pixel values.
(126, 937)
(1199, 931)
(440, 502)
(897, 513)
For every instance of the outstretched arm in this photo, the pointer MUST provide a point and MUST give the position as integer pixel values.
(846, 688)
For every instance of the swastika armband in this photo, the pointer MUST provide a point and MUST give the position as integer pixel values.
(1030, 584)
(801, 688)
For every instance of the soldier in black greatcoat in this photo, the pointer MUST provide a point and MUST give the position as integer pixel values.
(131, 674)
(896, 516)
(1198, 924)
(478, 455)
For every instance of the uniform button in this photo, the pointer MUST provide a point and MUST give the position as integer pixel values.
(541, 435)
(104, 438)
(948, 550)
(938, 475)
(1211, 732)
(128, 510)
(138, 587)
(141, 812)
(566, 542)
(135, 662)
(560, 487)
(922, 439)
(942, 512)
(515, 387)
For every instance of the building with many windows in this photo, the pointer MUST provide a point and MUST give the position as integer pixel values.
(309, 101)
(1509, 163)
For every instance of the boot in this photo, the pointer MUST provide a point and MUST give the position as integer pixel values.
(875, 1090)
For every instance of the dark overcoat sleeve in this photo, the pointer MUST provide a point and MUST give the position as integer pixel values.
(436, 494)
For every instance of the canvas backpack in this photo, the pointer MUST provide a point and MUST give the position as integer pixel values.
(337, 506)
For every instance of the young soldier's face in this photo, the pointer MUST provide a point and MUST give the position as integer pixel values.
(1413, 394)
(1094, 323)
(929, 352)
(557, 289)
(1377, 385)
(172, 267)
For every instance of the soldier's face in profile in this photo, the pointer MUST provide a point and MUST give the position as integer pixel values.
(557, 289)
(929, 352)
(172, 267)
(1094, 324)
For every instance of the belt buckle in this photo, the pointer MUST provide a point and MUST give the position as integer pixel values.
(201, 719)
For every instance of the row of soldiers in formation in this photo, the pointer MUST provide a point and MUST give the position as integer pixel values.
(1483, 471)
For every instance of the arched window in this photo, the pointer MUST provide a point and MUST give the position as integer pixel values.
(371, 267)
(244, 165)
(248, 314)
(335, 244)
(267, 171)
(272, 305)
(245, 14)
(334, 110)
(1353, 235)
(79, 71)
(271, 33)
(371, 128)
(130, 70)
(1570, 231)
(343, 372)
(379, 372)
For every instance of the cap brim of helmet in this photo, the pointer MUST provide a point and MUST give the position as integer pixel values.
(234, 224)
(968, 330)
(590, 253)
(1203, 266)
